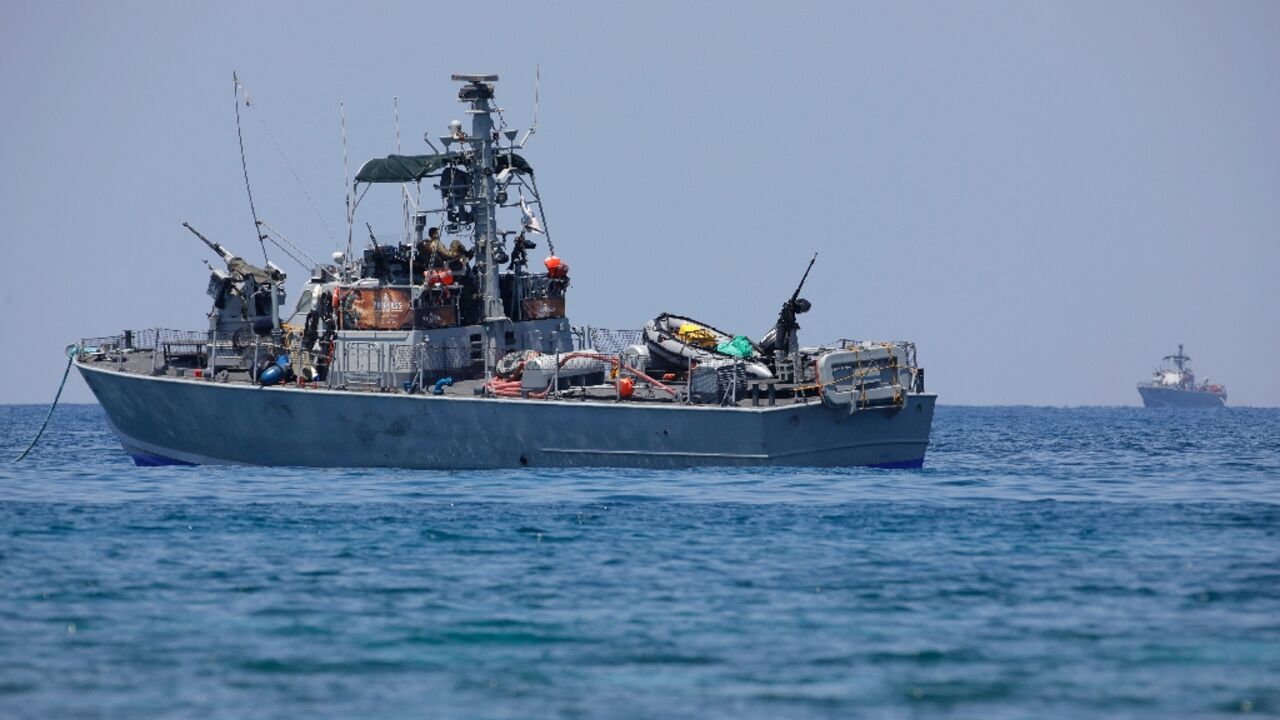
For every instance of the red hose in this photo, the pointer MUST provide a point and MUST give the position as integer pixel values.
(513, 388)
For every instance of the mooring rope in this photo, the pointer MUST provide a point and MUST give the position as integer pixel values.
(71, 357)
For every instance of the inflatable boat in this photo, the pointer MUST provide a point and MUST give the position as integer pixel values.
(674, 340)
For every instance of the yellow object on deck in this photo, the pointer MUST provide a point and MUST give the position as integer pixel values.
(696, 335)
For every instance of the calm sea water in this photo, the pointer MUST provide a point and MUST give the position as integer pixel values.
(1045, 563)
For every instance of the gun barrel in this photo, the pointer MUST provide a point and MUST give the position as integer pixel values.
(226, 255)
(799, 287)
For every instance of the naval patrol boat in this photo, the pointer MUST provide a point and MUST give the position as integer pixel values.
(447, 348)
(1173, 384)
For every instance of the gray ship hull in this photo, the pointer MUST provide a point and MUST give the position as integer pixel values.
(1172, 397)
(164, 420)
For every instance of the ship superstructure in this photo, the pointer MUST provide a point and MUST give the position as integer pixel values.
(447, 347)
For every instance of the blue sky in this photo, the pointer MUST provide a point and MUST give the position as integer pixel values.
(1046, 197)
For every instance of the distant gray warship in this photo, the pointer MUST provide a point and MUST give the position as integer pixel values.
(442, 349)
(1174, 385)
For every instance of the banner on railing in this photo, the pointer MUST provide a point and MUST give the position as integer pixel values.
(543, 308)
(377, 309)
(428, 318)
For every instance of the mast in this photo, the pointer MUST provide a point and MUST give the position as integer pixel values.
(478, 91)
(1181, 359)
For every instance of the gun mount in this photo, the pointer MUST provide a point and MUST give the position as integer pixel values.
(246, 298)
(780, 341)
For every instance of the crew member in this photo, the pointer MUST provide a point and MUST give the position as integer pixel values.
(435, 254)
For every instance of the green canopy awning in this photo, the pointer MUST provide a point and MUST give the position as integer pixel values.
(400, 168)
(412, 168)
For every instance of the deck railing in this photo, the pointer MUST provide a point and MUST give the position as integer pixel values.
(412, 367)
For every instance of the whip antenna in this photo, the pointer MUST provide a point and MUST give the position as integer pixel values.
(537, 86)
(244, 166)
(404, 191)
(346, 181)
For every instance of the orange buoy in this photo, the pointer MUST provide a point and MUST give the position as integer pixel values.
(626, 387)
(556, 268)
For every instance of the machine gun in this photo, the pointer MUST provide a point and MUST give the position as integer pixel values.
(780, 338)
(245, 296)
